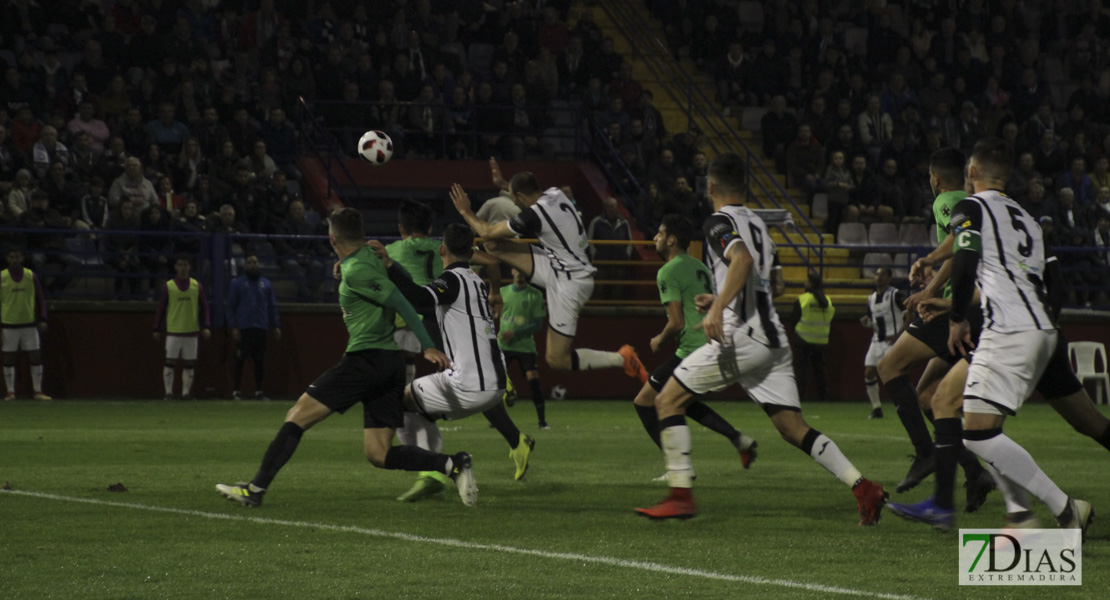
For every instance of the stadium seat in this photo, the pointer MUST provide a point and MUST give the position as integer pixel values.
(900, 269)
(913, 234)
(851, 234)
(883, 234)
(873, 260)
(752, 118)
(820, 208)
(1084, 356)
(480, 58)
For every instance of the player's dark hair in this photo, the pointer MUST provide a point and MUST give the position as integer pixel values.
(181, 256)
(816, 281)
(415, 217)
(524, 183)
(459, 240)
(728, 172)
(346, 224)
(680, 227)
(948, 164)
(993, 157)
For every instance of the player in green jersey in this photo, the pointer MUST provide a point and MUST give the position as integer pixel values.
(521, 318)
(680, 280)
(419, 255)
(371, 372)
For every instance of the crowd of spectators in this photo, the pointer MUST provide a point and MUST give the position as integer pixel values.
(855, 101)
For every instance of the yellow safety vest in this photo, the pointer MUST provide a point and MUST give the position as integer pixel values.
(182, 308)
(813, 327)
(17, 300)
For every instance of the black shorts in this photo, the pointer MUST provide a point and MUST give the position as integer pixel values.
(934, 334)
(663, 372)
(527, 360)
(376, 378)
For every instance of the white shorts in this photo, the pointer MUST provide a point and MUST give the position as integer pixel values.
(876, 352)
(20, 338)
(767, 374)
(565, 297)
(1005, 370)
(183, 346)
(437, 397)
(407, 340)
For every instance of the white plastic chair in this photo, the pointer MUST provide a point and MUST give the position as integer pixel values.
(1084, 356)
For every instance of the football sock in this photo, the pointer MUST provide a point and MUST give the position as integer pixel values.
(970, 464)
(1016, 498)
(499, 417)
(1103, 439)
(588, 360)
(538, 400)
(828, 455)
(675, 436)
(709, 418)
(1015, 464)
(429, 437)
(187, 381)
(949, 433)
(650, 419)
(9, 379)
(279, 453)
(905, 400)
(412, 458)
(407, 432)
(36, 378)
(873, 393)
(167, 379)
(410, 372)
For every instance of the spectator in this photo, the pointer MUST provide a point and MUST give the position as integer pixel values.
(1083, 270)
(767, 74)
(779, 129)
(899, 150)
(574, 70)
(625, 87)
(610, 225)
(133, 186)
(166, 131)
(86, 122)
(170, 200)
(936, 93)
(1037, 204)
(805, 162)
(281, 142)
(875, 128)
(94, 206)
(1100, 206)
(136, 140)
(681, 200)
(818, 120)
(665, 170)
(275, 198)
(209, 132)
(427, 117)
(1017, 186)
(242, 132)
(47, 151)
(732, 75)
(63, 190)
(259, 163)
(607, 63)
(26, 130)
(1029, 96)
(1100, 176)
(185, 307)
(9, 161)
(969, 129)
(892, 196)
(897, 95)
(1049, 156)
(251, 314)
(190, 166)
(1068, 216)
(301, 256)
(526, 128)
(1042, 121)
(49, 248)
(1079, 182)
(1102, 239)
(243, 198)
(863, 196)
(83, 160)
(115, 101)
(155, 248)
(19, 198)
(16, 94)
(838, 184)
(74, 94)
(946, 126)
(121, 250)
(388, 114)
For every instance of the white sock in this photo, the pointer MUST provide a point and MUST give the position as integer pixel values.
(1016, 498)
(167, 379)
(873, 394)
(1015, 464)
(432, 439)
(407, 433)
(676, 451)
(36, 378)
(410, 373)
(589, 360)
(9, 378)
(186, 381)
(828, 455)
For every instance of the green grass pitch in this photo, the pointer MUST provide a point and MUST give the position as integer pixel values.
(331, 528)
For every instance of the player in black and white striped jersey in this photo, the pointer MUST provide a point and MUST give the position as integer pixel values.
(475, 382)
(558, 263)
(885, 309)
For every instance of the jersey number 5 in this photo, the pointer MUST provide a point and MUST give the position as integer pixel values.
(1025, 248)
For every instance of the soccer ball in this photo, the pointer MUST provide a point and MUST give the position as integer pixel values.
(375, 147)
(558, 392)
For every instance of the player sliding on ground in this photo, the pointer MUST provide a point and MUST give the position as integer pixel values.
(371, 372)
(747, 345)
(681, 279)
(475, 382)
(559, 264)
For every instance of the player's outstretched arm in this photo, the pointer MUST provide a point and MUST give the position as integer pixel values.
(486, 231)
(941, 252)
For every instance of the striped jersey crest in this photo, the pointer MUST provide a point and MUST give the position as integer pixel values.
(886, 316)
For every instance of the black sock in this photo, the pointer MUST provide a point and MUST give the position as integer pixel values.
(279, 453)
(537, 399)
(1104, 439)
(650, 419)
(905, 400)
(414, 458)
(709, 418)
(970, 463)
(949, 446)
(503, 423)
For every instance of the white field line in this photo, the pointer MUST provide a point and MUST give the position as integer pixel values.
(408, 537)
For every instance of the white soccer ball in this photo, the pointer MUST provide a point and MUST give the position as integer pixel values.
(375, 147)
(558, 392)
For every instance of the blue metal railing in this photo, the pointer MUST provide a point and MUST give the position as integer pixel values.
(325, 148)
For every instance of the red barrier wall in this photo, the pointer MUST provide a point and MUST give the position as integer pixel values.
(113, 354)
